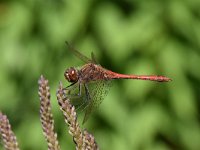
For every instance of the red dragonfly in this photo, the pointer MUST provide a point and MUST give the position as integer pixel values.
(89, 84)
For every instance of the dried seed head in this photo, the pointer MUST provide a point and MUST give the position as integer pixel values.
(46, 116)
(8, 137)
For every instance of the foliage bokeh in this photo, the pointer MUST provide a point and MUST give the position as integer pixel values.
(138, 37)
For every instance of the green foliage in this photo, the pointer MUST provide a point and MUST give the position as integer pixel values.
(133, 37)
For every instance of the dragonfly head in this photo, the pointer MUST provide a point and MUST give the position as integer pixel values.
(71, 74)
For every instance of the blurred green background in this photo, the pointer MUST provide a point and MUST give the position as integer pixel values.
(132, 37)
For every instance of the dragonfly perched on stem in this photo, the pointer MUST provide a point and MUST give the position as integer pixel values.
(90, 83)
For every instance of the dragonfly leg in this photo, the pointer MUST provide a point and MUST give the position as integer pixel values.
(79, 89)
(74, 97)
(88, 98)
(69, 85)
(70, 88)
(87, 92)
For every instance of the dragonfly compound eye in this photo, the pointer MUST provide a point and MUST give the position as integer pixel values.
(71, 75)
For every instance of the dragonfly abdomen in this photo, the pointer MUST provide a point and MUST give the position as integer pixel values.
(113, 75)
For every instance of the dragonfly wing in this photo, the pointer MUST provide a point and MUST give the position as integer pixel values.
(94, 60)
(76, 94)
(88, 96)
(80, 55)
(96, 95)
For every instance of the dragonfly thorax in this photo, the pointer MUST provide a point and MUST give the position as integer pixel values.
(71, 74)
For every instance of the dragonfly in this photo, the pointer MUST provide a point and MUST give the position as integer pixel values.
(90, 83)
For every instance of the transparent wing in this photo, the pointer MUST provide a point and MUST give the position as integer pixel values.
(94, 60)
(91, 95)
(77, 96)
(80, 55)
(96, 95)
